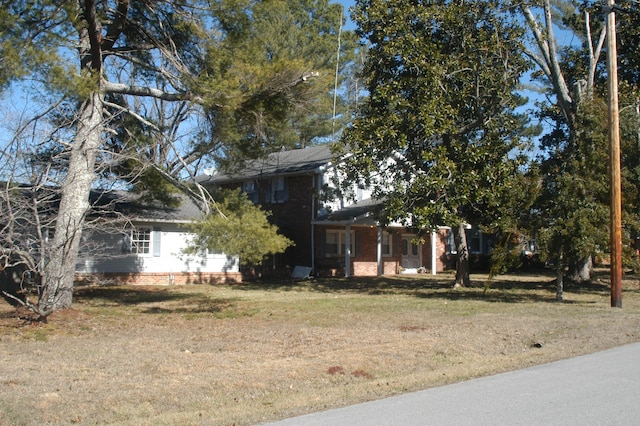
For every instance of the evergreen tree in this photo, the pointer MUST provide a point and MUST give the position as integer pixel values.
(268, 45)
(438, 138)
(571, 215)
(237, 227)
(120, 76)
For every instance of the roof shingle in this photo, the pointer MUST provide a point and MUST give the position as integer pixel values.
(277, 163)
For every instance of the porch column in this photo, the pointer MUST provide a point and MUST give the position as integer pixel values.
(379, 251)
(347, 252)
(434, 254)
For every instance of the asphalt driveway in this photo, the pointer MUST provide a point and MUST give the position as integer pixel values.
(597, 389)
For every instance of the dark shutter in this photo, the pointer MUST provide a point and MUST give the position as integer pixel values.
(126, 243)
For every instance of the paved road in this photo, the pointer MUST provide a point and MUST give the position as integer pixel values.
(597, 389)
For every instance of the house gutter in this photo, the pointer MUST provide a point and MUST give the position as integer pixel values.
(316, 184)
(350, 221)
(176, 221)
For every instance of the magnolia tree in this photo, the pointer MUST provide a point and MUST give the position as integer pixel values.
(439, 138)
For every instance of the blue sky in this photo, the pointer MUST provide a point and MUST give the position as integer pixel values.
(347, 4)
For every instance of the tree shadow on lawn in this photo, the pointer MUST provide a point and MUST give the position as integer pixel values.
(127, 295)
(187, 303)
(531, 288)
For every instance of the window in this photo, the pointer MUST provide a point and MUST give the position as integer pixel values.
(143, 241)
(209, 252)
(140, 241)
(408, 244)
(277, 190)
(335, 243)
(250, 188)
(475, 241)
(332, 243)
(387, 244)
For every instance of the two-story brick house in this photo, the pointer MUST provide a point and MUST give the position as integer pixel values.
(332, 236)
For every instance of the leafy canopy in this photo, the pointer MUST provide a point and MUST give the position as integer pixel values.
(571, 214)
(438, 138)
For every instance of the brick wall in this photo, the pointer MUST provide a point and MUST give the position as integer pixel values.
(367, 263)
(442, 259)
(293, 219)
(370, 269)
(445, 260)
(364, 258)
(160, 278)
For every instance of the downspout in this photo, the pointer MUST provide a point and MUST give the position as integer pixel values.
(313, 226)
(315, 183)
(347, 252)
(379, 251)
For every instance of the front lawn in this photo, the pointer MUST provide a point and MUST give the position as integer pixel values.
(255, 352)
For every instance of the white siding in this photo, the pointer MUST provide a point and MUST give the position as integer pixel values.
(108, 253)
(354, 194)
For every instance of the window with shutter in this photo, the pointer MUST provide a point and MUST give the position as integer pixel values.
(140, 239)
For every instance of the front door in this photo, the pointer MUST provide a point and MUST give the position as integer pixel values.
(410, 253)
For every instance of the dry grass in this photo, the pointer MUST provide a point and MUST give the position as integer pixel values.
(248, 354)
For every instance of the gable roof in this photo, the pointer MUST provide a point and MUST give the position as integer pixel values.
(295, 161)
(129, 205)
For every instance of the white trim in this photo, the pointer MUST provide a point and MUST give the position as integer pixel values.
(434, 255)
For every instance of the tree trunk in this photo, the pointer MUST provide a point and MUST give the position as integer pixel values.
(462, 260)
(59, 270)
(559, 285)
(581, 271)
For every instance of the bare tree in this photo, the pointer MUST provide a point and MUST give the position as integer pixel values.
(545, 54)
(33, 175)
(127, 73)
(572, 86)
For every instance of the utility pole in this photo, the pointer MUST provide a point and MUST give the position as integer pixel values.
(615, 231)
